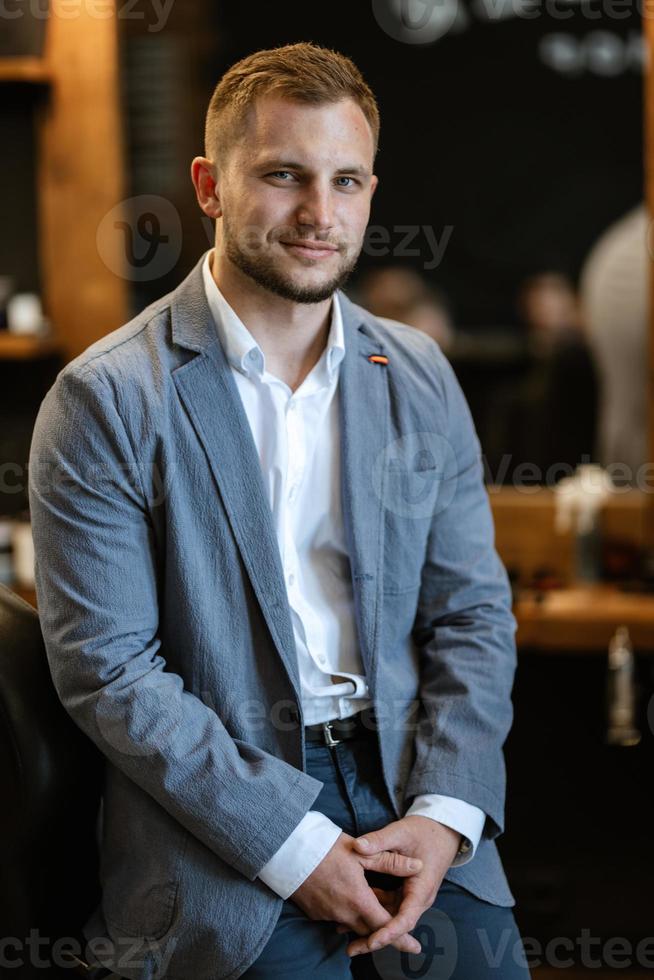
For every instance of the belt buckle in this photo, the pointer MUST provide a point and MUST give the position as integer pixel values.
(329, 738)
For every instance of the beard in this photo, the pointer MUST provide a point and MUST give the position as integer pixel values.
(262, 269)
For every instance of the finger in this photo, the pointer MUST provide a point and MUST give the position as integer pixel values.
(374, 916)
(378, 840)
(389, 900)
(393, 863)
(404, 944)
(416, 898)
(405, 920)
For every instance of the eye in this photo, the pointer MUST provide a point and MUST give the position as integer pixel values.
(351, 179)
(276, 173)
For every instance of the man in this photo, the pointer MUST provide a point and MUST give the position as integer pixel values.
(268, 586)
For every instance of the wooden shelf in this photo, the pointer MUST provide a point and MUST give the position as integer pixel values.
(583, 619)
(31, 71)
(19, 347)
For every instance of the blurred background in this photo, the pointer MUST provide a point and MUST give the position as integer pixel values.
(510, 224)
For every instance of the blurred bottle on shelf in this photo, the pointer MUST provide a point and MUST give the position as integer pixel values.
(621, 691)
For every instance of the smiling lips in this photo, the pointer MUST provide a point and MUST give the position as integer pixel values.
(311, 249)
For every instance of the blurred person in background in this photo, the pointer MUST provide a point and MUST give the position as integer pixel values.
(549, 309)
(614, 291)
(550, 418)
(399, 293)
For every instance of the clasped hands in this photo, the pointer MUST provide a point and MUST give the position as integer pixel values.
(417, 849)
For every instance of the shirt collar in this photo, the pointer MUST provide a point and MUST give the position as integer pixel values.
(240, 347)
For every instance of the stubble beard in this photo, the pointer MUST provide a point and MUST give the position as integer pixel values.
(260, 266)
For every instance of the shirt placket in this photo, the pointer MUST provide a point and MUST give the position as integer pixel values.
(295, 471)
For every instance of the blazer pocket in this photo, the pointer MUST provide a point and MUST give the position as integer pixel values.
(142, 908)
(148, 918)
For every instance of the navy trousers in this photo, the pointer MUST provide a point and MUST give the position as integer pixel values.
(462, 937)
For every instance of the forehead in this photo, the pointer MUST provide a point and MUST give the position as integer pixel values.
(277, 126)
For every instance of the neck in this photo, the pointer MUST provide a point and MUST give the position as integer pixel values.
(291, 335)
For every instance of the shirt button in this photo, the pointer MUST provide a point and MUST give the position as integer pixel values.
(321, 659)
(291, 579)
(292, 492)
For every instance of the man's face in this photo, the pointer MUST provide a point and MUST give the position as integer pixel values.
(295, 196)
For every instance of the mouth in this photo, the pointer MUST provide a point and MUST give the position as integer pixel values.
(311, 250)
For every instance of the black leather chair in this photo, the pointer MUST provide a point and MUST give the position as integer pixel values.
(51, 778)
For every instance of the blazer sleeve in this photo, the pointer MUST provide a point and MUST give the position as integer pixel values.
(464, 631)
(96, 585)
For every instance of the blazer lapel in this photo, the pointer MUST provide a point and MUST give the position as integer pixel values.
(208, 391)
(365, 435)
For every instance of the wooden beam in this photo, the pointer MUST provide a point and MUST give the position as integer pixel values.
(648, 26)
(80, 177)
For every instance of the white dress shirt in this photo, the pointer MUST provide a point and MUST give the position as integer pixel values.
(297, 438)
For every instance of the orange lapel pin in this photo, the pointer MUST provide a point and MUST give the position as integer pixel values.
(378, 359)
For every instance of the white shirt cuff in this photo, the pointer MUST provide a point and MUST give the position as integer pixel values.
(466, 819)
(300, 853)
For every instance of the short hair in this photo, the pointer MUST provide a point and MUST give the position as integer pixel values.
(302, 72)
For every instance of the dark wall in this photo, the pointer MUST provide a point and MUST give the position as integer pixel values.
(18, 240)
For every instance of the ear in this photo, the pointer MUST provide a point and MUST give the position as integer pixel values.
(374, 180)
(205, 182)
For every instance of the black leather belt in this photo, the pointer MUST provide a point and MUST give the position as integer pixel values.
(341, 729)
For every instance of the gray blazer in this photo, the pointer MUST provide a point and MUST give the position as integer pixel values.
(168, 632)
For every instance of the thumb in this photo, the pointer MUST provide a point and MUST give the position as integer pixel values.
(384, 839)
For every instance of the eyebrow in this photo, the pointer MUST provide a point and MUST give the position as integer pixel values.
(275, 164)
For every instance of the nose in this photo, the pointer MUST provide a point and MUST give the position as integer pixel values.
(316, 207)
